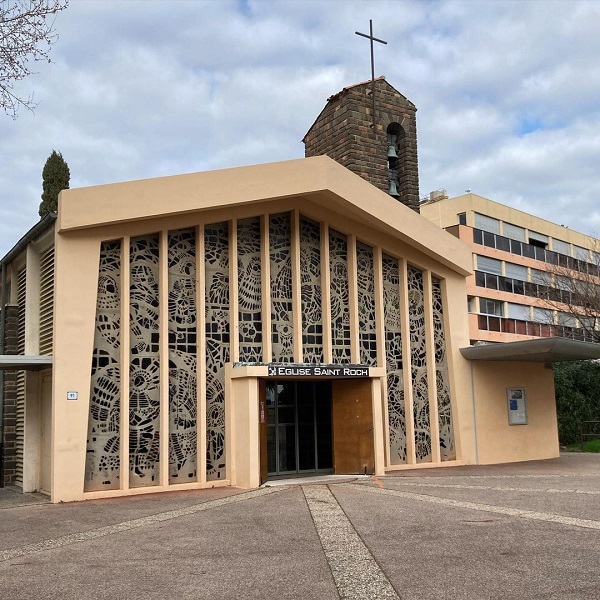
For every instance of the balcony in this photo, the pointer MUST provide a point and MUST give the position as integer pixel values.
(532, 328)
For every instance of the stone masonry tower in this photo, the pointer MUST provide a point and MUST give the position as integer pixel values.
(386, 157)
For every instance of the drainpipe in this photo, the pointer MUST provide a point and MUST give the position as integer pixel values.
(3, 303)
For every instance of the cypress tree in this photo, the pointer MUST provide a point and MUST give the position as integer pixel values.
(55, 177)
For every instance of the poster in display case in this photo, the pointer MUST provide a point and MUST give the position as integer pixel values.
(517, 406)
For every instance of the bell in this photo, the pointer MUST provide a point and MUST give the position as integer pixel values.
(392, 152)
(393, 191)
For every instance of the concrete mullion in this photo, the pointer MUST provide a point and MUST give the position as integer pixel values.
(326, 294)
(201, 356)
(265, 257)
(353, 298)
(296, 286)
(234, 315)
(406, 364)
(125, 361)
(434, 424)
(380, 333)
(163, 353)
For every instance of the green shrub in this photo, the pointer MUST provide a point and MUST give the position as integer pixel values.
(577, 387)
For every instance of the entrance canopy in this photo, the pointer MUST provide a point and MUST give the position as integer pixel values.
(546, 350)
(19, 362)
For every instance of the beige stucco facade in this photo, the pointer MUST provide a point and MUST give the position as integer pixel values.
(318, 189)
(415, 403)
(497, 440)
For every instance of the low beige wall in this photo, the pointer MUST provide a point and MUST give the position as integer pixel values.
(500, 442)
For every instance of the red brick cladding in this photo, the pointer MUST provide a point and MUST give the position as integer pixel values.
(344, 131)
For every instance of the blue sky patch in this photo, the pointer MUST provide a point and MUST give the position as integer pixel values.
(529, 125)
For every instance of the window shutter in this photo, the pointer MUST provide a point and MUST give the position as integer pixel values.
(514, 232)
(538, 237)
(542, 315)
(515, 271)
(581, 253)
(20, 421)
(561, 247)
(46, 300)
(489, 265)
(518, 311)
(487, 223)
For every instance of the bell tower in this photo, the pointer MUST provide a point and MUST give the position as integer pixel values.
(384, 155)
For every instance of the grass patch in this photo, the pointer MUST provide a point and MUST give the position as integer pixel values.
(588, 446)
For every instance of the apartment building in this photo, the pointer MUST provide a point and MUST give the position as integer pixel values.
(528, 272)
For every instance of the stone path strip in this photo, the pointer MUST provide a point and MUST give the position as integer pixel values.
(463, 486)
(84, 536)
(468, 476)
(356, 574)
(512, 512)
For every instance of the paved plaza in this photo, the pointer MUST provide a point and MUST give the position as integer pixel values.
(518, 531)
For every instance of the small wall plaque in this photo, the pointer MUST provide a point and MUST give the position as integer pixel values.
(72, 395)
(517, 406)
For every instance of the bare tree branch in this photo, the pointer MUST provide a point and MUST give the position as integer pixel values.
(26, 34)
(571, 287)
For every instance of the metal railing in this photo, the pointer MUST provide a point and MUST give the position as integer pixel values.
(590, 430)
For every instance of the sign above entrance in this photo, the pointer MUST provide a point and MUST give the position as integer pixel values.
(319, 371)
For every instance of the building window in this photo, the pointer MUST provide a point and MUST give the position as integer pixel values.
(462, 218)
(491, 307)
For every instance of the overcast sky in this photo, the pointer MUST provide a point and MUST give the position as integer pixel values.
(508, 94)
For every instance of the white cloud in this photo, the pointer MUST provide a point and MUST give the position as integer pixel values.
(507, 92)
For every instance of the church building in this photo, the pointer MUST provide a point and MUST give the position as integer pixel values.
(229, 327)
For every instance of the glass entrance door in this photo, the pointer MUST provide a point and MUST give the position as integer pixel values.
(299, 427)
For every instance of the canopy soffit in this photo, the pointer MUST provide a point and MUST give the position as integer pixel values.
(546, 350)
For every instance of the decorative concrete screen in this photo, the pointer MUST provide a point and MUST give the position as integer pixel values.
(393, 360)
(158, 388)
(249, 290)
(340, 309)
(216, 260)
(183, 349)
(367, 327)
(418, 366)
(144, 375)
(311, 294)
(102, 465)
(442, 375)
(282, 324)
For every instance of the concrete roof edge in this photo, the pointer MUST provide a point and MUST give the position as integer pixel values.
(24, 362)
(107, 204)
(39, 228)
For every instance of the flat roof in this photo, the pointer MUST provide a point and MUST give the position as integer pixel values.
(547, 350)
(20, 362)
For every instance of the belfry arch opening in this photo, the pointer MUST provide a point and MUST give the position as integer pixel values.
(396, 148)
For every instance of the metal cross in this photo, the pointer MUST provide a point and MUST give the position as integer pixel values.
(372, 39)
